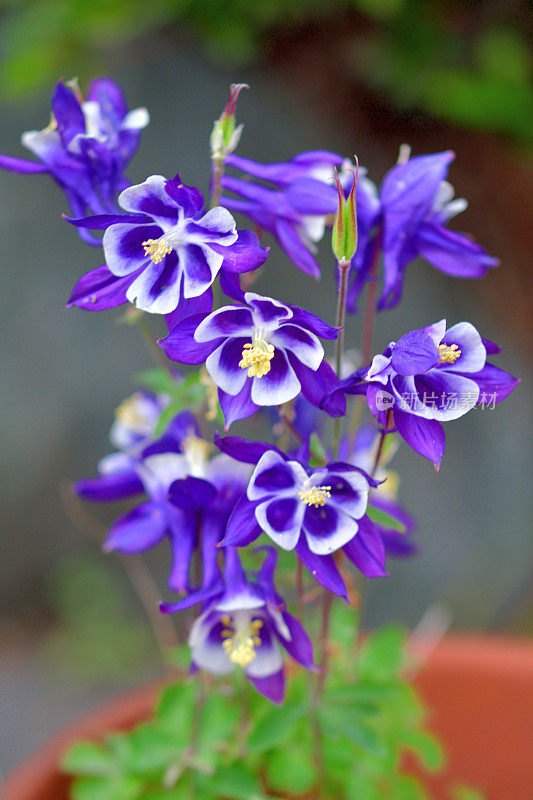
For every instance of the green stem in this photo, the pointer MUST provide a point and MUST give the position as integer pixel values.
(344, 271)
(216, 182)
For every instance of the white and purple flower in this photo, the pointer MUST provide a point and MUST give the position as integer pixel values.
(185, 492)
(431, 375)
(408, 219)
(292, 202)
(86, 146)
(166, 250)
(313, 511)
(263, 353)
(244, 624)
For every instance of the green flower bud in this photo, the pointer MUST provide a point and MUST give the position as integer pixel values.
(225, 136)
(344, 235)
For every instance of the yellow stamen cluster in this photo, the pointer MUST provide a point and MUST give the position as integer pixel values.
(157, 249)
(448, 354)
(316, 496)
(240, 644)
(129, 413)
(256, 358)
(196, 451)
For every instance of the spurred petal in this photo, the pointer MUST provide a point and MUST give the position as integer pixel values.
(99, 290)
(322, 568)
(236, 407)
(272, 687)
(494, 384)
(367, 551)
(113, 486)
(180, 344)
(425, 436)
(243, 527)
(137, 531)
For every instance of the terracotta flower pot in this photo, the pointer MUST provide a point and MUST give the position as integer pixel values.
(479, 690)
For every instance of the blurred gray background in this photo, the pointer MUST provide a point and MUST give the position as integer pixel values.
(63, 372)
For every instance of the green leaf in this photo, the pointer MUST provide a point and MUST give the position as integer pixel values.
(86, 758)
(426, 747)
(382, 655)
(157, 380)
(175, 707)
(124, 787)
(349, 722)
(290, 769)
(382, 518)
(153, 749)
(318, 452)
(275, 727)
(362, 787)
(220, 718)
(235, 782)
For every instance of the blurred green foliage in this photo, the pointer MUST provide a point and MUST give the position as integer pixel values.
(223, 740)
(97, 640)
(465, 63)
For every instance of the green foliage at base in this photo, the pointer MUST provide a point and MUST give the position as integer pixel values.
(218, 739)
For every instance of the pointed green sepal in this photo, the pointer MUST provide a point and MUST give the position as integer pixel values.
(344, 235)
(225, 136)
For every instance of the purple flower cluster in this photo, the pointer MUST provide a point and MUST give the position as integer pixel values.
(86, 147)
(430, 376)
(164, 251)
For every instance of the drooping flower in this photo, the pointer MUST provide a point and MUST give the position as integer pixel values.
(165, 250)
(263, 353)
(86, 147)
(409, 220)
(244, 624)
(316, 511)
(431, 375)
(291, 202)
(185, 490)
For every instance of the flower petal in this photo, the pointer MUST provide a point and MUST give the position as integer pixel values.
(180, 344)
(138, 530)
(473, 352)
(425, 436)
(281, 519)
(275, 475)
(236, 407)
(223, 366)
(322, 568)
(225, 321)
(303, 344)
(367, 551)
(279, 385)
(327, 529)
(272, 686)
(123, 249)
(150, 198)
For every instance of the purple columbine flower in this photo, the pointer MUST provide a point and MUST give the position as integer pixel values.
(263, 353)
(186, 492)
(244, 624)
(165, 250)
(431, 375)
(86, 147)
(409, 220)
(292, 201)
(314, 511)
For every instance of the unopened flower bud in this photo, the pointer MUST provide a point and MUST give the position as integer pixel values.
(225, 136)
(344, 235)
